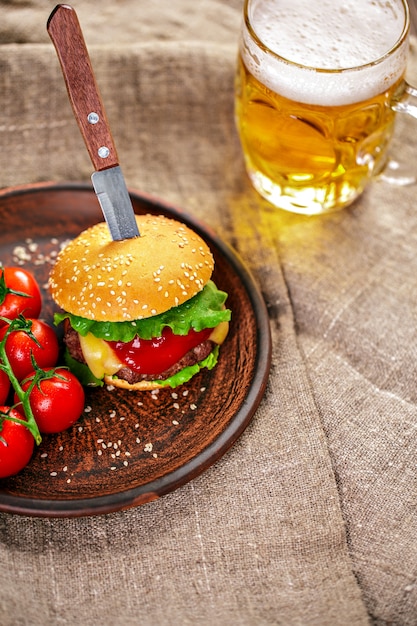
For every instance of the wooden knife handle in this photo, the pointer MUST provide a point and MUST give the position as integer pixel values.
(64, 29)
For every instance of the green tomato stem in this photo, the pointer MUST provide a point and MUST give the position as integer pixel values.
(23, 396)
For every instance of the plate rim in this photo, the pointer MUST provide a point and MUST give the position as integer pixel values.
(122, 500)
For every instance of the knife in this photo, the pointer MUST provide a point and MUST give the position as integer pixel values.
(109, 184)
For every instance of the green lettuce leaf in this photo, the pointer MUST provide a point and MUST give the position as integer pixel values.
(204, 310)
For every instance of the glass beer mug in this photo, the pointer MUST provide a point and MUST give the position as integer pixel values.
(317, 89)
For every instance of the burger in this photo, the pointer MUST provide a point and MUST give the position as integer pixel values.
(140, 313)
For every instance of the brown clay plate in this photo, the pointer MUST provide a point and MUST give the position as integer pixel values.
(129, 448)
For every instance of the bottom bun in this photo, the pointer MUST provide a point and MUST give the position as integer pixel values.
(143, 385)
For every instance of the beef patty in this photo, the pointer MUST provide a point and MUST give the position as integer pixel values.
(195, 355)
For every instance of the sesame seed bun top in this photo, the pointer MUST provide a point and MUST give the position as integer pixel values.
(113, 281)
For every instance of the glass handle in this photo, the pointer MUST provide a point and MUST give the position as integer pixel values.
(407, 103)
(402, 173)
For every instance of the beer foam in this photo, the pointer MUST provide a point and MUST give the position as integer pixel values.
(312, 38)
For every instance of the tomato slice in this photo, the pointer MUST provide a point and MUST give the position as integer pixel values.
(154, 356)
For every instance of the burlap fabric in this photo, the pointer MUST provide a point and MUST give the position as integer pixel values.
(310, 519)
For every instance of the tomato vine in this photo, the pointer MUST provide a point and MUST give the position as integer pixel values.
(22, 324)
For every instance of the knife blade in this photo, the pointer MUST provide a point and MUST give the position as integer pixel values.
(108, 181)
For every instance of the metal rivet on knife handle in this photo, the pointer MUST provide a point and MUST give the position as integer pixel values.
(103, 152)
(93, 118)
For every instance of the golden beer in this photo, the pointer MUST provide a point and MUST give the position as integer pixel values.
(312, 139)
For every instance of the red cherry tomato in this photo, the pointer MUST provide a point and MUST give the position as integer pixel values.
(16, 279)
(57, 402)
(19, 347)
(16, 444)
(4, 386)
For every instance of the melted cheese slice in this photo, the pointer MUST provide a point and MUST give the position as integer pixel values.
(102, 360)
(219, 333)
(99, 356)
